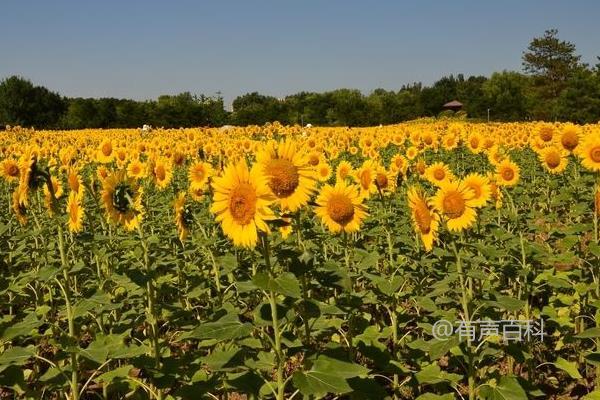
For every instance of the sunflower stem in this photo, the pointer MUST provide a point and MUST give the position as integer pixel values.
(274, 317)
(70, 317)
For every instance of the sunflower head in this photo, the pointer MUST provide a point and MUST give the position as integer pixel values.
(184, 218)
(122, 200)
(425, 219)
(507, 173)
(454, 201)
(340, 207)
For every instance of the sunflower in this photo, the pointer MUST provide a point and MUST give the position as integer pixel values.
(122, 200)
(340, 207)
(9, 170)
(449, 142)
(75, 212)
(589, 151)
(496, 194)
(323, 172)
(183, 216)
(454, 201)
(105, 153)
(438, 173)
(74, 181)
(343, 171)
(480, 186)
(412, 152)
(399, 164)
(198, 174)
(569, 137)
(290, 177)
(137, 169)
(507, 173)
(554, 159)
(365, 177)
(425, 219)
(475, 142)
(162, 172)
(196, 193)
(241, 203)
(385, 181)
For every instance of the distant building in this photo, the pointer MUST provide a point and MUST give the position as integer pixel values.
(453, 105)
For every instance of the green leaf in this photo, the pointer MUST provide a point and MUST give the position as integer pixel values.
(507, 389)
(317, 383)
(589, 333)
(120, 373)
(286, 284)
(16, 355)
(432, 396)
(224, 329)
(569, 367)
(22, 328)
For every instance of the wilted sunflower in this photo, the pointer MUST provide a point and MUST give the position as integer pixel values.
(454, 201)
(340, 207)
(58, 192)
(183, 216)
(507, 173)
(241, 203)
(289, 175)
(480, 185)
(438, 173)
(9, 170)
(198, 174)
(75, 212)
(589, 151)
(122, 200)
(554, 159)
(162, 172)
(425, 219)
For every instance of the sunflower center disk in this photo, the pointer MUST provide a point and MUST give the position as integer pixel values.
(107, 149)
(242, 203)
(382, 181)
(553, 160)
(365, 179)
(160, 172)
(569, 140)
(595, 154)
(283, 177)
(13, 170)
(439, 174)
(454, 205)
(508, 174)
(340, 209)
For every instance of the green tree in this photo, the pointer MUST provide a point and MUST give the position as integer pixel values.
(22, 103)
(551, 62)
(506, 94)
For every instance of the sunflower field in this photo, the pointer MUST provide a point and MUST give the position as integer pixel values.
(282, 262)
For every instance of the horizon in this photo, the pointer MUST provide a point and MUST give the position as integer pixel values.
(206, 49)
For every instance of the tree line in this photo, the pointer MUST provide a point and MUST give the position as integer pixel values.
(554, 85)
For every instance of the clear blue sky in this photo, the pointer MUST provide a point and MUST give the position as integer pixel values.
(141, 49)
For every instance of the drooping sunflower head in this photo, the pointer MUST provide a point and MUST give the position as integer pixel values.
(122, 200)
(19, 206)
(454, 201)
(241, 203)
(74, 181)
(507, 173)
(425, 219)
(364, 176)
(289, 175)
(340, 207)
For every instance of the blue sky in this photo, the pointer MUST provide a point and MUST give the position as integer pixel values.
(141, 49)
